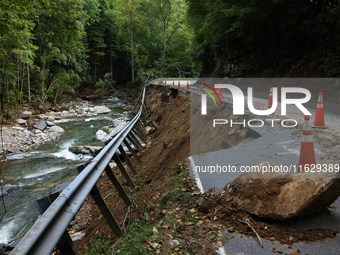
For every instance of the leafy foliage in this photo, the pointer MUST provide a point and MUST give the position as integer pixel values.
(238, 37)
(51, 47)
(103, 85)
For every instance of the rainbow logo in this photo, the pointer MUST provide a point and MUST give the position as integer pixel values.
(209, 93)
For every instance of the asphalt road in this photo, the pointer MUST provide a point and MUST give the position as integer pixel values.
(279, 146)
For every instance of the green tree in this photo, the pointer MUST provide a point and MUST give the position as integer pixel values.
(61, 55)
(16, 48)
(239, 37)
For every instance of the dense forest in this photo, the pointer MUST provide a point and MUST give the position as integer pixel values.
(51, 47)
(267, 38)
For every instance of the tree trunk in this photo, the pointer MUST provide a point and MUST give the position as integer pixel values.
(95, 69)
(56, 94)
(111, 67)
(132, 67)
(18, 78)
(22, 77)
(42, 76)
(28, 83)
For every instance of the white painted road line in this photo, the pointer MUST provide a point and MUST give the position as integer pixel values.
(197, 177)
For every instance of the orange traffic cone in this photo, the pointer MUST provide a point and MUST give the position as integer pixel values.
(173, 82)
(307, 155)
(270, 102)
(179, 84)
(187, 84)
(319, 121)
(202, 86)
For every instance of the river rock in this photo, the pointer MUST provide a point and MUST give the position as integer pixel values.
(102, 136)
(77, 236)
(35, 141)
(118, 128)
(3, 192)
(50, 123)
(56, 129)
(116, 122)
(18, 128)
(6, 188)
(41, 125)
(100, 109)
(11, 149)
(90, 150)
(21, 121)
(42, 135)
(129, 116)
(284, 196)
(26, 113)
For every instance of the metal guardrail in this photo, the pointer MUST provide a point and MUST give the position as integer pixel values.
(44, 235)
(183, 81)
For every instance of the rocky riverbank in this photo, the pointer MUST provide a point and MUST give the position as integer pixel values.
(33, 128)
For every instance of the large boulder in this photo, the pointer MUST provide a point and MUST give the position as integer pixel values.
(102, 136)
(56, 129)
(284, 196)
(101, 109)
(118, 128)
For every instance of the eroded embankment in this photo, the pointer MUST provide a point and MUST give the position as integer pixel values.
(168, 142)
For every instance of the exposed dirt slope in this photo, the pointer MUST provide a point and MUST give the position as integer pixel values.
(169, 111)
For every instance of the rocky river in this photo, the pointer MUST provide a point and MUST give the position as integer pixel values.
(38, 156)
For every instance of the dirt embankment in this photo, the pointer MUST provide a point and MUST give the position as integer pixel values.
(170, 139)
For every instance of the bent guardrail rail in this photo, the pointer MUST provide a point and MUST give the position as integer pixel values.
(44, 235)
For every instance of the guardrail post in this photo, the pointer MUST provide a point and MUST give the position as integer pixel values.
(144, 118)
(141, 131)
(65, 244)
(145, 108)
(135, 142)
(139, 134)
(106, 211)
(132, 150)
(127, 160)
(118, 186)
(140, 124)
(123, 170)
(97, 197)
(140, 127)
